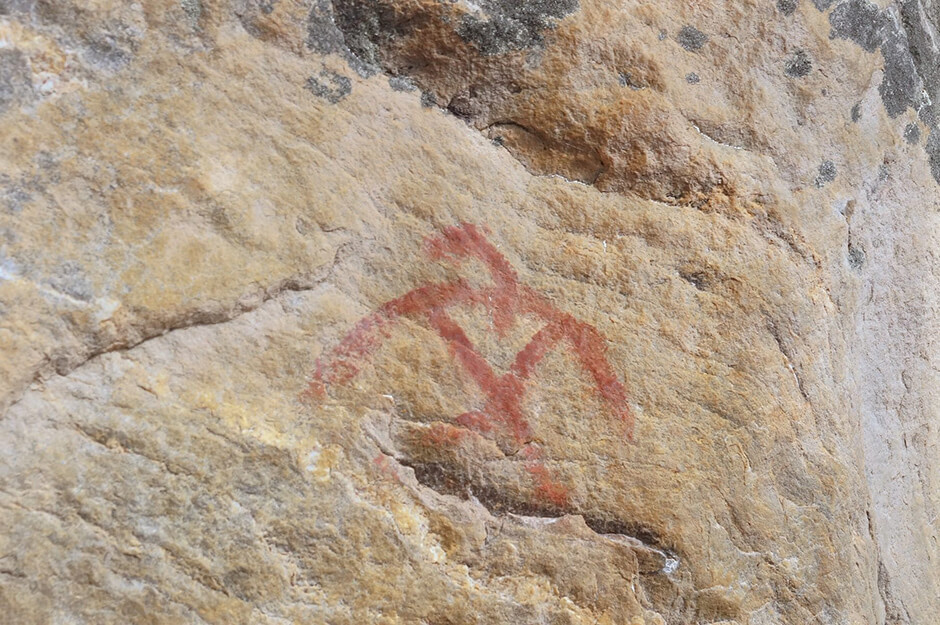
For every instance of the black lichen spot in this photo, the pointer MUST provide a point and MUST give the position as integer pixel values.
(859, 21)
(912, 133)
(329, 85)
(822, 5)
(856, 256)
(506, 25)
(692, 78)
(691, 38)
(856, 112)
(401, 83)
(662, 35)
(799, 65)
(787, 7)
(933, 153)
(827, 173)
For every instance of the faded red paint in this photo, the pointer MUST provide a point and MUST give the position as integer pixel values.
(444, 435)
(505, 299)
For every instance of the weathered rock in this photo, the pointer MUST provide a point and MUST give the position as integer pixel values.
(407, 311)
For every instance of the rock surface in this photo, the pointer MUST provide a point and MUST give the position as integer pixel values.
(425, 312)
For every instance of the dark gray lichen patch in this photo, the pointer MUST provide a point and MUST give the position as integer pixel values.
(912, 133)
(826, 174)
(933, 153)
(856, 256)
(822, 5)
(507, 25)
(323, 35)
(692, 78)
(799, 65)
(691, 38)
(858, 21)
(921, 28)
(329, 85)
(901, 85)
(856, 112)
(326, 34)
(428, 99)
(401, 83)
(865, 24)
(787, 7)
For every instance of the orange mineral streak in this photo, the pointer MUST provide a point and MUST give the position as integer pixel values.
(505, 299)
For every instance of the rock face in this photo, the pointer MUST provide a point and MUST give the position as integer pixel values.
(426, 312)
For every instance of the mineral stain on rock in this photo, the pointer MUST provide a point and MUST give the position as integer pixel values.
(691, 38)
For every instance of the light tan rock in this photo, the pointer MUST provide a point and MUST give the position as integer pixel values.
(419, 312)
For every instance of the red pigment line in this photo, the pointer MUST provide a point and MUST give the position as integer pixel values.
(588, 345)
(505, 301)
(475, 420)
(444, 435)
(461, 347)
(504, 403)
(341, 365)
(530, 356)
(466, 240)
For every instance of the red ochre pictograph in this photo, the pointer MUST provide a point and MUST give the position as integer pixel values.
(504, 299)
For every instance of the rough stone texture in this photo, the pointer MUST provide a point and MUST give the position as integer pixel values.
(409, 311)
